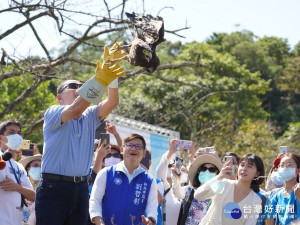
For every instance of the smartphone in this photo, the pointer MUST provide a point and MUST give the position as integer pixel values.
(230, 158)
(105, 137)
(183, 144)
(209, 149)
(178, 165)
(146, 160)
(27, 152)
(25, 144)
(283, 149)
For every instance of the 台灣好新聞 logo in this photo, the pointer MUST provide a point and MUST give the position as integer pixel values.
(232, 211)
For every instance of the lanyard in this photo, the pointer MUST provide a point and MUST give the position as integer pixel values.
(13, 169)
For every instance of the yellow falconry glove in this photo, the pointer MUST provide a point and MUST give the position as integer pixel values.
(116, 51)
(108, 72)
(93, 89)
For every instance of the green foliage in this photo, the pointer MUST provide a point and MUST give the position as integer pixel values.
(291, 138)
(32, 108)
(237, 83)
(256, 137)
(220, 92)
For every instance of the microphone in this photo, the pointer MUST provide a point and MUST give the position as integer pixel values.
(6, 156)
(2, 163)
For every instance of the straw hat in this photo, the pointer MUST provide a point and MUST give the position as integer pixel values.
(29, 159)
(203, 159)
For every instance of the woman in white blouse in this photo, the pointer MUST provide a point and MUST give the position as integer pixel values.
(234, 201)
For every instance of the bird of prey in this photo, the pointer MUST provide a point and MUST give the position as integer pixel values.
(148, 32)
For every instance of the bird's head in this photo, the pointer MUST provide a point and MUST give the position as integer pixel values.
(144, 51)
(147, 54)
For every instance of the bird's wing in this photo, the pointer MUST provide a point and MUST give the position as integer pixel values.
(150, 29)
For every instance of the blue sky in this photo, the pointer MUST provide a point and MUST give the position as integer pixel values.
(280, 18)
(264, 17)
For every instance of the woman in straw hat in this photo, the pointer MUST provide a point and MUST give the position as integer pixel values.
(234, 201)
(32, 166)
(202, 169)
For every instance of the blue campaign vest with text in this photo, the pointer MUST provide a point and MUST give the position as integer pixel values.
(125, 203)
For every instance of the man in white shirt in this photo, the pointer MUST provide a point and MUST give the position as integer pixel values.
(124, 192)
(14, 182)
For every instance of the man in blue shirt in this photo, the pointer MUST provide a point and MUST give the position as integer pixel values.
(69, 132)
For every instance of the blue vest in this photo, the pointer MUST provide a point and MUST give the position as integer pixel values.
(125, 203)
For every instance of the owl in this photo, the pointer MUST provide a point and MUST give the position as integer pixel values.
(148, 32)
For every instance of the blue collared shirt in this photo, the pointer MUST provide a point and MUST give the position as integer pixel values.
(68, 147)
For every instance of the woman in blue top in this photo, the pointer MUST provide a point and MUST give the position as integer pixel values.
(285, 207)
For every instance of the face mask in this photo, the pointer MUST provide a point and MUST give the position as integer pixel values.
(111, 161)
(14, 141)
(205, 176)
(35, 173)
(277, 179)
(287, 173)
(184, 178)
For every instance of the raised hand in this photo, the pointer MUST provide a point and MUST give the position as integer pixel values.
(172, 148)
(226, 171)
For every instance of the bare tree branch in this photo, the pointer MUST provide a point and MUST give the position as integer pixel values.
(33, 127)
(108, 11)
(166, 7)
(16, 27)
(131, 74)
(39, 39)
(177, 30)
(195, 104)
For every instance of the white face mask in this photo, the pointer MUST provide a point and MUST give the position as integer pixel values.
(287, 173)
(14, 141)
(277, 179)
(111, 161)
(184, 178)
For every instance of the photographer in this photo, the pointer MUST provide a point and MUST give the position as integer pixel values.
(202, 169)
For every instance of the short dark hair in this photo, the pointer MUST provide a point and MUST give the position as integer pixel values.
(6, 123)
(61, 86)
(255, 159)
(135, 136)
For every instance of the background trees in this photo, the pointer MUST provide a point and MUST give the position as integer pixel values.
(236, 91)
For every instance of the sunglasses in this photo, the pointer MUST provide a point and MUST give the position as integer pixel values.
(137, 147)
(70, 86)
(115, 155)
(211, 169)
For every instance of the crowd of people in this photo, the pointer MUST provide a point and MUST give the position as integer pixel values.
(79, 180)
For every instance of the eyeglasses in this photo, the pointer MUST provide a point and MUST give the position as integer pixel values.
(36, 165)
(137, 147)
(70, 86)
(287, 165)
(211, 169)
(115, 155)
